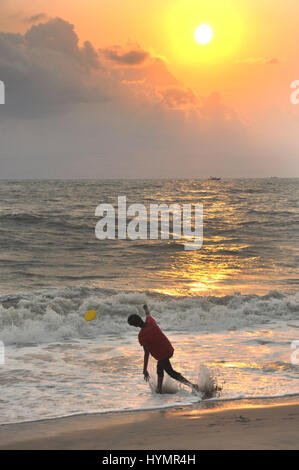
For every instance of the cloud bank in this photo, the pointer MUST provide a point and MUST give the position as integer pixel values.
(74, 111)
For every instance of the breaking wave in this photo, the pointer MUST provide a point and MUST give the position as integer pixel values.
(58, 314)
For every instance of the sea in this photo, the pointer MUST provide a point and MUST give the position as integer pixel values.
(230, 308)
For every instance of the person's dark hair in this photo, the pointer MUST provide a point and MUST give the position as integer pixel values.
(135, 320)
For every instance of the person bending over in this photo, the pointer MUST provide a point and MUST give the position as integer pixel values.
(154, 342)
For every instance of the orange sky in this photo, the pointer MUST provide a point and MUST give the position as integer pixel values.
(269, 31)
(250, 62)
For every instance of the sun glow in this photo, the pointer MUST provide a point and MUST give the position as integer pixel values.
(203, 34)
(216, 24)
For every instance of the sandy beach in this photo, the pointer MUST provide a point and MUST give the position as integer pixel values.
(267, 425)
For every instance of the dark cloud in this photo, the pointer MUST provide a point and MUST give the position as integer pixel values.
(35, 18)
(73, 111)
(118, 55)
(178, 98)
(28, 19)
(56, 34)
(45, 70)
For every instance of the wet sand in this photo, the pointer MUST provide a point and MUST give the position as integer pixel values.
(272, 425)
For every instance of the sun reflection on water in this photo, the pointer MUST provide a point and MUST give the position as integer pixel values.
(201, 273)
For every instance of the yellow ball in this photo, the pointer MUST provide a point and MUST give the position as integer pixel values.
(90, 315)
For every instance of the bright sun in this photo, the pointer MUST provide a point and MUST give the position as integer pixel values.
(203, 34)
(201, 31)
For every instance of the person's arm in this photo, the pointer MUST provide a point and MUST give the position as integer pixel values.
(145, 363)
(145, 308)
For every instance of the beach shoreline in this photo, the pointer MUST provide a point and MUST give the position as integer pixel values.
(244, 424)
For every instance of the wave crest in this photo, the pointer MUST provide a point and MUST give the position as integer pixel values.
(58, 315)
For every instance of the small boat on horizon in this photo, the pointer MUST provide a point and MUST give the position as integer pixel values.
(215, 178)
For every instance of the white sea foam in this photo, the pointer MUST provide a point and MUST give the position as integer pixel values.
(58, 315)
(57, 364)
(104, 374)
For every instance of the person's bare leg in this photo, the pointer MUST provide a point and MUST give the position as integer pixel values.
(183, 380)
(160, 381)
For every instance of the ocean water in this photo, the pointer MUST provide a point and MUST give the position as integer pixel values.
(231, 307)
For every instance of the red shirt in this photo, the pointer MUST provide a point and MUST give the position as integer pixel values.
(157, 343)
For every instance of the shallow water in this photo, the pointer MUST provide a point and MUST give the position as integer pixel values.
(231, 306)
(105, 373)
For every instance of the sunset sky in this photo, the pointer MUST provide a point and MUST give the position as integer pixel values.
(121, 88)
